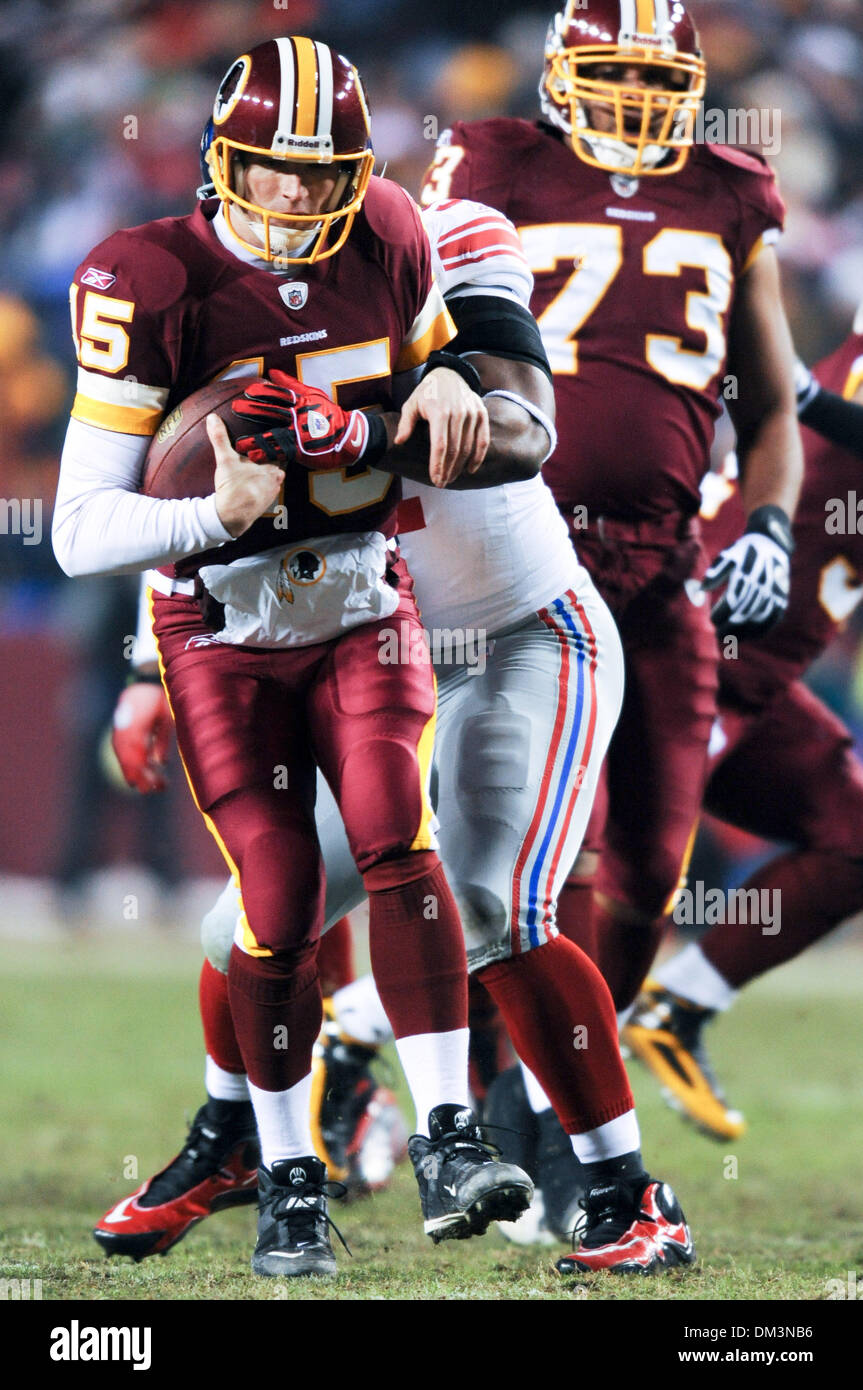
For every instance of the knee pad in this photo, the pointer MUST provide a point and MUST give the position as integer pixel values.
(494, 750)
(217, 927)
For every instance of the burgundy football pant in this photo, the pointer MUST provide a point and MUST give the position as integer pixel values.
(789, 773)
(251, 726)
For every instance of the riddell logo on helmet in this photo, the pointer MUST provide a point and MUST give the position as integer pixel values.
(305, 142)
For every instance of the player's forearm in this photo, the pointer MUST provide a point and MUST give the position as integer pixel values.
(103, 526)
(835, 419)
(771, 463)
(518, 445)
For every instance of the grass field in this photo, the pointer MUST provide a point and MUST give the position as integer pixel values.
(103, 1063)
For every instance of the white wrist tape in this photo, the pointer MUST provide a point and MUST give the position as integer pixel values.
(535, 413)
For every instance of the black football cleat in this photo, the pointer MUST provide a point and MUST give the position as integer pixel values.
(215, 1169)
(558, 1177)
(631, 1229)
(463, 1185)
(293, 1222)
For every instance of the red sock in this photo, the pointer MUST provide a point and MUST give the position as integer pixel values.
(336, 958)
(626, 953)
(416, 945)
(220, 1038)
(575, 919)
(561, 1019)
(276, 1006)
(817, 891)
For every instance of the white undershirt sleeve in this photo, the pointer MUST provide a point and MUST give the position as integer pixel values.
(102, 525)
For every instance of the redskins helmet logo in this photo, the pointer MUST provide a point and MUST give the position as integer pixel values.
(231, 89)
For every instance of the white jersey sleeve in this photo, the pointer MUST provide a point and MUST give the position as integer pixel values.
(102, 525)
(487, 558)
(476, 250)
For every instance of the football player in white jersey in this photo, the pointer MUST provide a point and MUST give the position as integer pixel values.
(529, 673)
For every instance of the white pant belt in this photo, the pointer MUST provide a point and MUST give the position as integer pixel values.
(163, 584)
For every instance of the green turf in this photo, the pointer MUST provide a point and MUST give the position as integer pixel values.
(102, 1065)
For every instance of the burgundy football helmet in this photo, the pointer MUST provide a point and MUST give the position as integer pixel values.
(613, 123)
(292, 99)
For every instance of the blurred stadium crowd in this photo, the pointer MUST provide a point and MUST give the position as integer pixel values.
(104, 102)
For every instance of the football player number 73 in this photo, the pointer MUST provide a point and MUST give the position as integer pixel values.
(596, 251)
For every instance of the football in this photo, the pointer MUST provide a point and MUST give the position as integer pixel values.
(180, 461)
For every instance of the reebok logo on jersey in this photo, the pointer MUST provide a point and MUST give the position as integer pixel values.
(99, 279)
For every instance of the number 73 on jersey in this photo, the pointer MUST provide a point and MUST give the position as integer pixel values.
(596, 252)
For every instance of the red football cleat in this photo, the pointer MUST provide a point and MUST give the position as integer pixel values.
(216, 1168)
(631, 1233)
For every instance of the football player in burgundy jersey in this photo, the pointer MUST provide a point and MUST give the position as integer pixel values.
(519, 743)
(302, 264)
(657, 292)
(782, 766)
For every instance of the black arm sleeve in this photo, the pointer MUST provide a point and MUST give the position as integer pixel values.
(835, 419)
(498, 327)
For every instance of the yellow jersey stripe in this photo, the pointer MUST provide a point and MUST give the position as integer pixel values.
(424, 838)
(855, 377)
(124, 419)
(684, 870)
(432, 328)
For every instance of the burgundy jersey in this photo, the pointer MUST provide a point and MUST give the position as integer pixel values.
(162, 309)
(634, 285)
(827, 565)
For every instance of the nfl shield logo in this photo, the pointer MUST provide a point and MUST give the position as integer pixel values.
(295, 293)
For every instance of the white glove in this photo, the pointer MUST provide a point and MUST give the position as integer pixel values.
(756, 572)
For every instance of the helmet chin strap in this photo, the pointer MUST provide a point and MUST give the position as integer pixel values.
(293, 240)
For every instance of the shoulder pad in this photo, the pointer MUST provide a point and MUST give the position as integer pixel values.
(474, 246)
(504, 134)
(391, 213)
(148, 263)
(742, 159)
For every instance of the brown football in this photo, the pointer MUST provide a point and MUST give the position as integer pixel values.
(180, 461)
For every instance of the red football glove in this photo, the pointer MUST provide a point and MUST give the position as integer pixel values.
(141, 735)
(307, 427)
